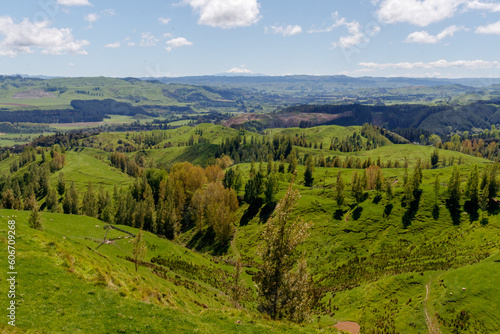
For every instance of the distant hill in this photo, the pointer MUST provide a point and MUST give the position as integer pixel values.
(340, 80)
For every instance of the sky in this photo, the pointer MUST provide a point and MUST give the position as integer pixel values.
(151, 38)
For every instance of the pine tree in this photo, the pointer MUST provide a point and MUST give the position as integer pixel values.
(339, 191)
(52, 201)
(435, 158)
(308, 173)
(472, 188)
(280, 240)
(237, 288)
(270, 162)
(388, 190)
(484, 201)
(292, 166)
(140, 248)
(35, 220)
(281, 167)
(417, 177)
(271, 188)
(436, 187)
(89, 203)
(407, 189)
(61, 184)
(358, 183)
(454, 187)
(253, 189)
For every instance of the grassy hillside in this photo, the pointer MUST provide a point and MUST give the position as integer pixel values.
(65, 284)
(390, 267)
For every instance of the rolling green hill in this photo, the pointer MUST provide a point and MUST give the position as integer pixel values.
(390, 266)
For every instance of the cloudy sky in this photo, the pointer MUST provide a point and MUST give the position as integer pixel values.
(429, 38)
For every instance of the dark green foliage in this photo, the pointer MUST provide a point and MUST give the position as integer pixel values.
(61, 184)
(35, 220)
(339, 191)
(232, 179)
(308, 174)
(454, 183)
(89, 202)
(435, 158)
(254, 188)
(358, 184)
(271, 189)
(71, 202)
(51, 201)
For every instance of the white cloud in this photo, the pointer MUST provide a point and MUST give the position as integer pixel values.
(74, 2)
(108, 12)
(355, 36)
(114, 45)
(420, 13)
(239, 70)
(148, 40)
(91, 18)
(424, 37)
(164, 20)
(460, 64)
(492, 29)
(338, 21)
(226, 13)
(289, 30)
(489, 6)
(23, 37)
(177, 43)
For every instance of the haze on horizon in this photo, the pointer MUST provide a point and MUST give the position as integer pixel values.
(378, 38)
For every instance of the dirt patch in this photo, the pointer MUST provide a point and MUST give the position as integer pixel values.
(16, 104)
(348, 326)
(33, 94)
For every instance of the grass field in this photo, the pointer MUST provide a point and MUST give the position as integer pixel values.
(66, 285)
(390, 267)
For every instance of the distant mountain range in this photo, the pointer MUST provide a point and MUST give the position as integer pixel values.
(338, 80)
(238, 79)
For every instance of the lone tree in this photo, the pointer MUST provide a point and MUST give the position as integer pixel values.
(35, 220)
(339, 191)
(308, 173)
(472, 188)
(454, 187)
(435, 158)
(279, 285)
(237, 289)
(140, 248)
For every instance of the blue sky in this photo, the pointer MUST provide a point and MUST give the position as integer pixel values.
(429, 38)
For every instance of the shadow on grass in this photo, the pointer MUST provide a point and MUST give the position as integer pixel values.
(250, 213)
(338, 214)
(377, 199)
(412, 209)
(454, 209)
(388, 209)
(472, 209)
(356, 214)
(435, 212)
(493, 208)
(266, 212)
(204, 241)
